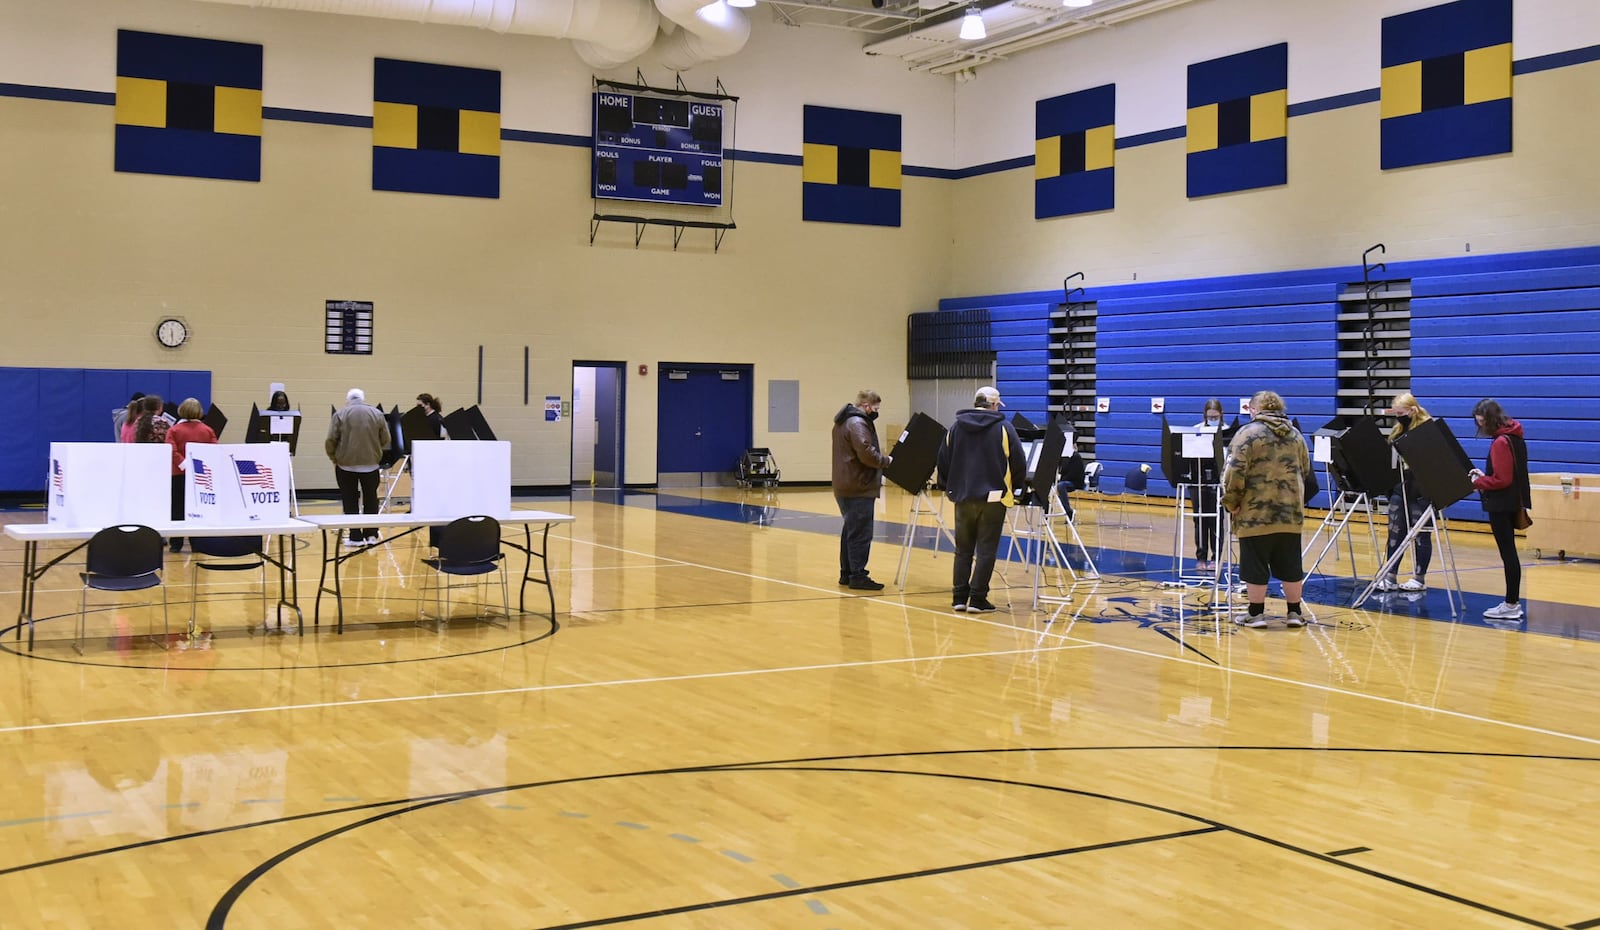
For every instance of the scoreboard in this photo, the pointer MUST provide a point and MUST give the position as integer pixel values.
(656, 148)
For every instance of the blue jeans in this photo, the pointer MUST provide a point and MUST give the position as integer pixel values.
(855, 539)
(978, 527)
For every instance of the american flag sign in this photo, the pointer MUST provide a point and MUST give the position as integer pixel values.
(202, 477)
(252, 475)
(58, 475)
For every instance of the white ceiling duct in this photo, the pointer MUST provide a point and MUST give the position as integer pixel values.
(605, 33)
(707, 32)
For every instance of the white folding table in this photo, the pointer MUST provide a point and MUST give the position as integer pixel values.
(32, 534)
(332, 526)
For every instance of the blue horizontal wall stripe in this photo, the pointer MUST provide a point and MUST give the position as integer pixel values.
(1457, 407)
(1336, 102)
(1177, 361)
(1152, 137)
(1216, 300)
(1504, 387)
(60, 94)
(1577, 56)
(1532, 65)
(1545, 311)
(1506, 366)
(1503, 282)
(1021, 312)
(1162, 333)
(288, 115)
(1140, 391)
(1541, 348)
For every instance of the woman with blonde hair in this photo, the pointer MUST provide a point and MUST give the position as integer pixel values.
(189, 429)
(1407, 504)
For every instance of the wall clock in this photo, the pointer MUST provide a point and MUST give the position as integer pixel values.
(172, 332)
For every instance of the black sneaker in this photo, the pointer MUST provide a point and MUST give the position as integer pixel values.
(844, 580)
(959, 605)
(865, 583)
(980, 605)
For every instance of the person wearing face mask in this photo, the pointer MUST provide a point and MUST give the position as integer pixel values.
(1407, 504)
(1505, 489)
(982, 466)
(858, 464)
(1205, 495)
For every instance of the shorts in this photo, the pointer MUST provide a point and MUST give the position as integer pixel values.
(1275, 555)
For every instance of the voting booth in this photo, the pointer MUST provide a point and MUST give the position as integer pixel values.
(235, 485)
(459, 479)
(99, 484)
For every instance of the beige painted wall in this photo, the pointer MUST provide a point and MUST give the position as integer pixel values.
(90, 259)
(1544, 195)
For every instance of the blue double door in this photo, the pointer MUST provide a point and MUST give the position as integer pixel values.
(704, 421)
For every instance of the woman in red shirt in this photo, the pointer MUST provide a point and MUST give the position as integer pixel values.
(188, 429)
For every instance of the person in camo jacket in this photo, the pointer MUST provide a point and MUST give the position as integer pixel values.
(1264, 492)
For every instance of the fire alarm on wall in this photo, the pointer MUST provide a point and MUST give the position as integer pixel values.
(644, 369)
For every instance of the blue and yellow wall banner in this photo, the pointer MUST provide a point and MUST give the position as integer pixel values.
(1446, 84)
(435, 129)
(1074, 153)
(850, 167)
(189, 107)
(1238, 125)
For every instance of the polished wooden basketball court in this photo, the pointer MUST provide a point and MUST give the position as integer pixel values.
(714, 734)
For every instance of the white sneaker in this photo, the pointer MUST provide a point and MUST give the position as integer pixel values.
(354, 543)
(1415, 584)
(1388, 584)
(1258, 622)
(1506, 611)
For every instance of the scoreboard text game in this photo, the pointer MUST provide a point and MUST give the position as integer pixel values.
(661, 149)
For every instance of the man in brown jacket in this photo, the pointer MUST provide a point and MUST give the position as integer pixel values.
(858, 467)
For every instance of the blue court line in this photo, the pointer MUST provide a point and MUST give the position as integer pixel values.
(1583, 622)
(53, 817)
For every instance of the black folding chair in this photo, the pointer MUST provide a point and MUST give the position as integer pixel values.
(122, 558)
(468, 547)
(225, 554)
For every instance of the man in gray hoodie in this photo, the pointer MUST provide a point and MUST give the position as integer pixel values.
(356, 440)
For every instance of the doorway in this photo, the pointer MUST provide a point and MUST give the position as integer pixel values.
(704, 422)
(597, 420)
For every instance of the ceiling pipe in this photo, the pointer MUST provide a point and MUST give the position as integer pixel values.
(606, 34)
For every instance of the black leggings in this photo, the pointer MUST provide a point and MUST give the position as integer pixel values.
(1505, 537)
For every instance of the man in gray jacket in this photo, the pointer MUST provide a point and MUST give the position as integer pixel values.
(356, 440)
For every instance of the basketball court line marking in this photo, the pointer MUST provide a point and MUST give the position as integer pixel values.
(532, 689)
(1066, 641)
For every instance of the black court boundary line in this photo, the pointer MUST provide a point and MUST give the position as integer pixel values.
(767, 764)
(879, 879)
(9, 645)
(783, 764)
(217, 919)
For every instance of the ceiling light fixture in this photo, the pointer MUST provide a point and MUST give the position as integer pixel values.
(742, 4)
(972, 24)
(1077, 4)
